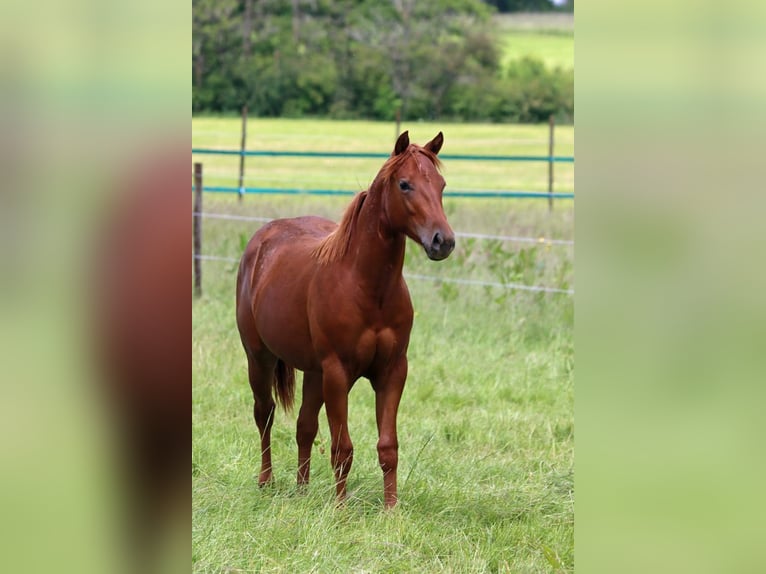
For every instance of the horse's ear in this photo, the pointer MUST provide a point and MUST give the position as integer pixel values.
(402, 143)
(435, 144)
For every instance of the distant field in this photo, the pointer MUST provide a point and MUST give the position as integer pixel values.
(549, 37)
(537, 21)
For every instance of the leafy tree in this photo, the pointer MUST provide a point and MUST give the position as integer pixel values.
(362, 58)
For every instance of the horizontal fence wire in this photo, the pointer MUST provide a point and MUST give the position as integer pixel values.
(479, 282)
(250, 179)
(215, 258)
(517, 239)
(363, 154)
(345, 192)
(511, 238)
(476, 282)
(237, 133)
(231, 216)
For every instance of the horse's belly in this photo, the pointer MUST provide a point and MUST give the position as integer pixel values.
(283, 327)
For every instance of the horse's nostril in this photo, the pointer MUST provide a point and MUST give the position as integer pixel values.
(437, 240)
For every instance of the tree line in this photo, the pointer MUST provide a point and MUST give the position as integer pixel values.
(422, 59)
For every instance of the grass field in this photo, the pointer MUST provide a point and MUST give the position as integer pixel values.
(548, 37)
(355, 174)
(486, 426)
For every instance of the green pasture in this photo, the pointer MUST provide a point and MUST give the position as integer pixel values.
(555, 49)
(356, 174)
(547, 37)
(486, 424)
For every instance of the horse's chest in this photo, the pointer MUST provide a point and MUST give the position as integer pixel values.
(377, 348)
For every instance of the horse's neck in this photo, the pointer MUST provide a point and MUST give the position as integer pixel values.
(378, 258)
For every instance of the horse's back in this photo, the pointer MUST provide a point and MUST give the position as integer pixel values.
(294, 238)
(304, 228)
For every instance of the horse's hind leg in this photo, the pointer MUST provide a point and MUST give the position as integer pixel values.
(308, 423)
(261, 373)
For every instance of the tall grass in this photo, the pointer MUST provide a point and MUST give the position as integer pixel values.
(486, 425)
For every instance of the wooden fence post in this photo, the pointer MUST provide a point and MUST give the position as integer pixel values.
(197, 229)
(550, 163)
(242, 146)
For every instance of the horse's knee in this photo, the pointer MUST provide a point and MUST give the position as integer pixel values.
(263, 413)
(306, 430)
(388, 454)
(342, 454)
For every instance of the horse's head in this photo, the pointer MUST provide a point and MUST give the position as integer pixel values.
(413, 195)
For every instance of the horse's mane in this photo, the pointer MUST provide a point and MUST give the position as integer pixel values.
(336, 244)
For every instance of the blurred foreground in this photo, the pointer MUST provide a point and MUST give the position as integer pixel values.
(671, 314)
(94, 395)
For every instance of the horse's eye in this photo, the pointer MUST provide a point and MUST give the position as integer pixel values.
(404, 185)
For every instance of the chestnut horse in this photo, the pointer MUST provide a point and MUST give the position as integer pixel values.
(330, 300)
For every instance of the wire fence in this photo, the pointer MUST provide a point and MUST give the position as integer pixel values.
(244, 187)
(345, 192)
(459, 281)
(536, 241)
(324, 138)
(512, 238)
(346, 183)
(371, 155)
(417, 276)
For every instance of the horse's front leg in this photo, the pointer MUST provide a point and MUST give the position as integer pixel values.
(308, 423)
(335, 387)
(388, 392)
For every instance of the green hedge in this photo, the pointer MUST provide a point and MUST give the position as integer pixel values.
(366, 60)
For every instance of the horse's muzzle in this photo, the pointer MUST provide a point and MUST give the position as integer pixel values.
(440, 247)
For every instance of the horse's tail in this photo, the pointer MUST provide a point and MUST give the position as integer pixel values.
(284, 388)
